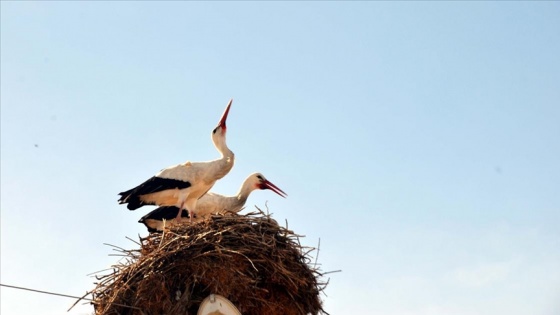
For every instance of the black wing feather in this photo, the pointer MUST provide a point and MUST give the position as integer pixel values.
(152, 185)
(160, 214)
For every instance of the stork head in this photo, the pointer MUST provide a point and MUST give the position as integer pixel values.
(219, 133)
(221, 127)
(260, 182)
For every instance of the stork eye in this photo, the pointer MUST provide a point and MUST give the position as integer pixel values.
(259, 177)
(215, 129)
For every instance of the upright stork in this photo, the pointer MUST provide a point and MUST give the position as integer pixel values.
(211, 203)
(182, 185)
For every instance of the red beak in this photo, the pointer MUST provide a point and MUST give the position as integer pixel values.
(222, 122)
(268, 185)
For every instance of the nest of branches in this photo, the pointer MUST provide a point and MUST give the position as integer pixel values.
(258, 265)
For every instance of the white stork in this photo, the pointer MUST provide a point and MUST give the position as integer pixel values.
(183, 184)
(211, 203)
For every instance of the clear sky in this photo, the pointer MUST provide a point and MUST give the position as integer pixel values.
(420, 141)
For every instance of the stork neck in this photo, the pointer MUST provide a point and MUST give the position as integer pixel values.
(222, 166)
(225, 152)
(221, 146)
(236, 203)
(245, 190)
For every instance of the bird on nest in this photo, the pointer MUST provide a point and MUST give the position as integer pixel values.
(182, 185)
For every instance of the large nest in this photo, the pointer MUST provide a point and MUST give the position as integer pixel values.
(258, 265)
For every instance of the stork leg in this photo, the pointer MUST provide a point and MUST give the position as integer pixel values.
(178, 218)
(191, 206)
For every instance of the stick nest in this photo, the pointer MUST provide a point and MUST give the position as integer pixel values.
(258, 265)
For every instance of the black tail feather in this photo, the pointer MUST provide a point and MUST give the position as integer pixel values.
(133, 201)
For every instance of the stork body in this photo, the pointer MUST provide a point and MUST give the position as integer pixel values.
(182, 185)
(211, 203)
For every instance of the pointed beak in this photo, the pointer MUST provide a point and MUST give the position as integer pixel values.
(222, 122)
(268, 185)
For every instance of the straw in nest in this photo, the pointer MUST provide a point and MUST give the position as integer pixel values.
(249, 259)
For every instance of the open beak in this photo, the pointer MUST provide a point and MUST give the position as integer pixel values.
(268, 185)
(222, 122)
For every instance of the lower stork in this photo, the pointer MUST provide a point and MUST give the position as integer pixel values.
(210, 203)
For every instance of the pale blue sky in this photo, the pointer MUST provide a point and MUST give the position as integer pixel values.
(418, 140)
